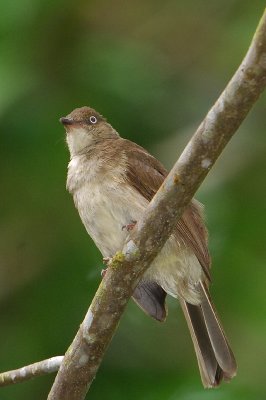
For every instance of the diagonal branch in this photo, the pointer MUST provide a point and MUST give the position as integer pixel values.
(85, 354)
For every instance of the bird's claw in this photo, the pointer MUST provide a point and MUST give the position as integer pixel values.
(130, 226)
(103, 272)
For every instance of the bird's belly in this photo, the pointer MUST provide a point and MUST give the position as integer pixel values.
(105, 211)
(177, 270)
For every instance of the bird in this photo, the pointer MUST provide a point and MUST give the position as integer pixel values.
(112, 180)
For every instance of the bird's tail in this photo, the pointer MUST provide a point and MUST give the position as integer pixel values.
(215, 357)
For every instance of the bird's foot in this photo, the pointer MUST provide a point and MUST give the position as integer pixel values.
(106, 262)
(130, 226)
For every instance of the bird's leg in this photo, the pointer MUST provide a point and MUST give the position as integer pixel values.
(130, 226)
(105, 261)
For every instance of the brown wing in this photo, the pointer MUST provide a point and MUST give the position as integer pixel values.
(192, 230)
(151, 172)
(147, 180)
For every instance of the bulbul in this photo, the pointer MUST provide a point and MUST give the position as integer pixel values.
(112, 180)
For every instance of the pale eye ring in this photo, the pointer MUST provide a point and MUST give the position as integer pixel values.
(93, 119)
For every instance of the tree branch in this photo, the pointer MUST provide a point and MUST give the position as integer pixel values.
(30, 371)
(85, 354)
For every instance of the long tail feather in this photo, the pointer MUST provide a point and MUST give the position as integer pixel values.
(215, 358)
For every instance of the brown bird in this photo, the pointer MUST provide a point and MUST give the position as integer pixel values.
(112, 180)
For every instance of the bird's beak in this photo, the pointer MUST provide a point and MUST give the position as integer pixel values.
(66, 121)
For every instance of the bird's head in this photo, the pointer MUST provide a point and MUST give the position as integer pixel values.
(84, 128)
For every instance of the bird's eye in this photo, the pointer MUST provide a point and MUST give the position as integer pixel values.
(93, 119)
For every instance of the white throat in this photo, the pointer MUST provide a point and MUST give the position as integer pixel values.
(78, 139)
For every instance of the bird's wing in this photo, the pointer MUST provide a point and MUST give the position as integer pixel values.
(146, 174)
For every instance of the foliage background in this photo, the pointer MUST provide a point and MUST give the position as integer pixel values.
(153, 68)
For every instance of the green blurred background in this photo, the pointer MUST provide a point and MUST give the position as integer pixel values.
(153, 69)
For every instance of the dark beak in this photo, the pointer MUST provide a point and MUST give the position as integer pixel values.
(66, 121)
